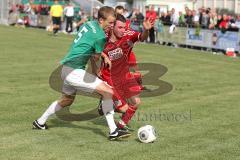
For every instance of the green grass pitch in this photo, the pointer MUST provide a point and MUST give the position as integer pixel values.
(199, 119)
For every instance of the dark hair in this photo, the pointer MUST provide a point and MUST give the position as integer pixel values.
(119, 8)
(121, 18)
(105, 11)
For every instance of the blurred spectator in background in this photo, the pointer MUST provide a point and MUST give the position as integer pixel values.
(69, 14)
(119, 10)
(56, 13)
(189, 18)
(166, 18)
(181, 21)
(84, 18)
(77, 17)
(137, 20)
(126, 13)
(151, 14)
(95, 13)
(158, 27)
(232, 23)
(219, 19)
(238, 22)
(196, 18)
(28, 7)
(23, 14)
(186, 10)
(44, 10)
(213, 20)
(174, 17)
(205, 20)
(223, 26)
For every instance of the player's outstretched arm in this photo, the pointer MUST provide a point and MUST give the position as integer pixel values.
(147, 24)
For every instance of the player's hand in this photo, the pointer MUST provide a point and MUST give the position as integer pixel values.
(107, 62)
(148, 23)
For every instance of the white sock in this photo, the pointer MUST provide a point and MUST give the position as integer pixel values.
(54, 107)
(108, 111)
(110, 120)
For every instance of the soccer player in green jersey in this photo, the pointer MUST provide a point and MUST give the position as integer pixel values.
(88, 45)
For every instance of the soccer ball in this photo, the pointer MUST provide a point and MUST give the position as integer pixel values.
(147, 134)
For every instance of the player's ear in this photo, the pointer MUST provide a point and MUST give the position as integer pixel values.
(101, 20)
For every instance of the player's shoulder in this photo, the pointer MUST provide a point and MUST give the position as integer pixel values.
(95, 29)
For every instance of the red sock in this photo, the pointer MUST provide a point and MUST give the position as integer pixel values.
(127, 116)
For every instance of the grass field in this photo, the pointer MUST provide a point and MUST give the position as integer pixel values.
(205, 102)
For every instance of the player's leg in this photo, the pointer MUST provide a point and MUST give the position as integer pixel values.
(131, 91)
(108, 111)
(67, 99)
(83, 81)
(121, 106)
(67, 24)
(54, 21)
(58, 23)
(64, 101)
(129, 111)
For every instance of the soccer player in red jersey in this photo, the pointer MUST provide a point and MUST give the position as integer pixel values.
(132, 61)
(117, 49)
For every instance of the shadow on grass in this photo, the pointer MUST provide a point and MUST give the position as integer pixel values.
(55, 123)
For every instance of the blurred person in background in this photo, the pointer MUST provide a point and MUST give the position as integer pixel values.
(238, 22)
(137, 20)
(219, 19)
(119, 10)
(181, 20)
(158, 27)
(205, 20)
(189, 18)
(224, 24)
(151, 14)
(174, 17)
(213, 20)
(69, 14)
(195, 18)
(56, 14)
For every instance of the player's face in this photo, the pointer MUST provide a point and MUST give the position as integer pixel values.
(119, 29)
(108, 23)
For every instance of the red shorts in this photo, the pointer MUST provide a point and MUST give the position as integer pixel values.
(125, 89)
(132, 59)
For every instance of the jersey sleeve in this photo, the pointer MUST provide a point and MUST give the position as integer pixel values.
(99, 45)
(133, 35)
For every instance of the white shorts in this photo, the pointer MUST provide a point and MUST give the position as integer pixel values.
(78, 80)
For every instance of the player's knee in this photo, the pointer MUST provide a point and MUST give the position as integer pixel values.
(123, 109)
(105, 91)
(108, 94)
(66, 101)
(136, 102)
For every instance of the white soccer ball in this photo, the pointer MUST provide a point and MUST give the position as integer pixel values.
(147, 134)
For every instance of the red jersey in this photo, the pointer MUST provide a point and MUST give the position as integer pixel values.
(128, 25)
(118, 52)
(151, 14)
(224, 24)
(132, 58)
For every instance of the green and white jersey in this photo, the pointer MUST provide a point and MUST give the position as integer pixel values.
(90, 40)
